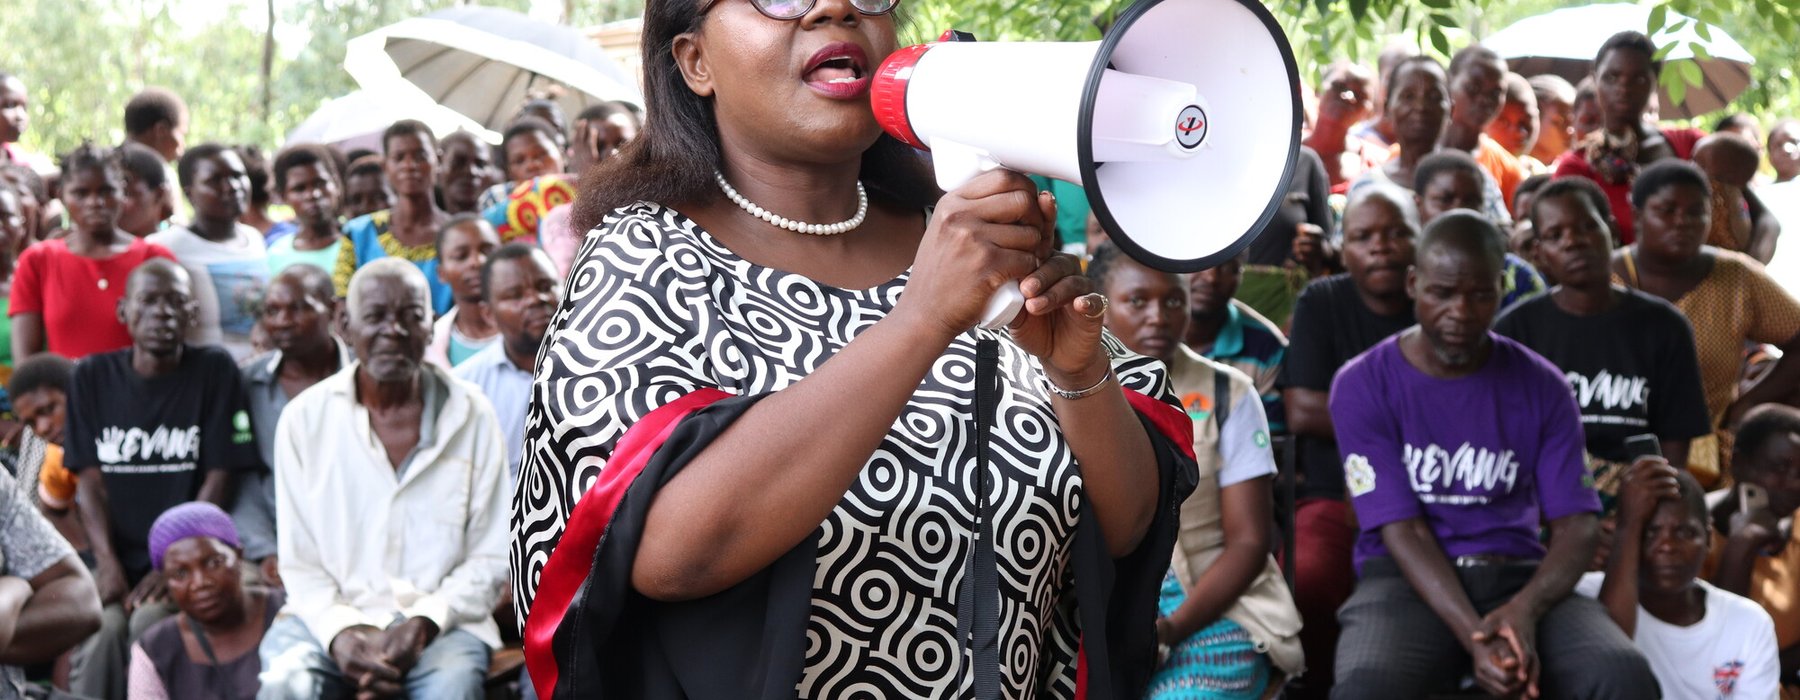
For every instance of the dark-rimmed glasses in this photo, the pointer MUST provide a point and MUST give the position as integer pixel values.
(784, 10)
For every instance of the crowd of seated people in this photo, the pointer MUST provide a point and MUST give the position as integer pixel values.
(171, 529)
(265, 415)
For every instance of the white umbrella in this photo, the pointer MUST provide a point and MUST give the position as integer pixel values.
(1564, 41)
(357, 120)
(483, 61)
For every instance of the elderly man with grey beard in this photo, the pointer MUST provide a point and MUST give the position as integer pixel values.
(390, 491)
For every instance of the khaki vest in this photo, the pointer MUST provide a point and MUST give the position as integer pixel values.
(1266, 609)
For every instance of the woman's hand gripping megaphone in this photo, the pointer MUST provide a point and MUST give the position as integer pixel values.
(984, 238)
(957, 166)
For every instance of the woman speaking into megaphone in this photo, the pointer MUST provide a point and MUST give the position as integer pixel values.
(754, 465)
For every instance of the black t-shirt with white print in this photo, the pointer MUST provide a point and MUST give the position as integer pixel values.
(1331, 326)
(1633, 368)
(152, 438)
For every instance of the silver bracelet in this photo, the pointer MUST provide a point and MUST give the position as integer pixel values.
(1082, 394)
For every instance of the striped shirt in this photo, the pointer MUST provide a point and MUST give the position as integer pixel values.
(1251, 344)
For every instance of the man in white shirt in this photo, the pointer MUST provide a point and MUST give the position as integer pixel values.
(1782, 197)
(226, 259)
(520, 293)
(1701, 642)
(1783, 201)
(390, 494)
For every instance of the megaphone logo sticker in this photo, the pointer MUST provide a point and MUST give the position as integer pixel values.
(1190, 127)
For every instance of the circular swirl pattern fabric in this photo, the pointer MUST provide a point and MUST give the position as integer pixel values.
(656, 308)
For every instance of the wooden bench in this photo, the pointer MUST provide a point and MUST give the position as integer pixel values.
(504, 672)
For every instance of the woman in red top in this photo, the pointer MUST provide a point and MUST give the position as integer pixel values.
(65, 290)
(1625, 73)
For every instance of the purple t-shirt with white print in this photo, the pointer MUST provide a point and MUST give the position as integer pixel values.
(1484, 458)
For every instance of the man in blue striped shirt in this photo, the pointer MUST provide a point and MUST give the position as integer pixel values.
(1228, 331)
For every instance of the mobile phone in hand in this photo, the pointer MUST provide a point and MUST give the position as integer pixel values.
(1640, 446)
(1751, 498)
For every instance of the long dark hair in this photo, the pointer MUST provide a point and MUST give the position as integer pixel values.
(673, 158)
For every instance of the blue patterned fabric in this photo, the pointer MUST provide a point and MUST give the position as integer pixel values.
(1216, 663)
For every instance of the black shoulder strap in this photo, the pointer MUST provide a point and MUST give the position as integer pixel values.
(217, 674)
(1221, 399)
(978, 598)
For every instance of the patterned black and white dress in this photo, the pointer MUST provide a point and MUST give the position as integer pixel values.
(657, 309)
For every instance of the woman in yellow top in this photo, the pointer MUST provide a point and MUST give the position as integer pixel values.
(409, 230)
(1727, 296)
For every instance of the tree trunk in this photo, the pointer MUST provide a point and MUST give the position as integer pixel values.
(268, 64)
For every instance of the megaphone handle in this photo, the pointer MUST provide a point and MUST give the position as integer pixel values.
(955, 165)
(1005, 305)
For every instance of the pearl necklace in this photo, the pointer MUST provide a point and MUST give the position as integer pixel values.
(862, 210)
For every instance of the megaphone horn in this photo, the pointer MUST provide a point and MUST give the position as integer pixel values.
(1181, 125)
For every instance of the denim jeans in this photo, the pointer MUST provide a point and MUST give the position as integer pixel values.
(295, 666)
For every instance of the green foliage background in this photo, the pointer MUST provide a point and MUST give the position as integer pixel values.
(1325, 30)
(82, 60)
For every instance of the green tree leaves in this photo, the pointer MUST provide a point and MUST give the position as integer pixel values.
(995, 20)
(82, 60)
(1325, 30)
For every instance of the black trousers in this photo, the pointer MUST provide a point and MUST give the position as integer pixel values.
(1394, 647)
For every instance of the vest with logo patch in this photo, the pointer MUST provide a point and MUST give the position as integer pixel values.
(1266, 609)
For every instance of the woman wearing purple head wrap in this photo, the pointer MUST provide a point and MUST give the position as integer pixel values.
(208, 651)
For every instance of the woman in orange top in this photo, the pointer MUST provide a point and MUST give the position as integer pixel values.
(39, 389)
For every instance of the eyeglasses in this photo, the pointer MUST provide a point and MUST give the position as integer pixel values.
(784, 10)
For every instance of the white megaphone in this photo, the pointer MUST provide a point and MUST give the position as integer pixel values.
(1181, 124)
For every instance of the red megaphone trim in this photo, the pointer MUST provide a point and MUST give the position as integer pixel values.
(887, 95)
